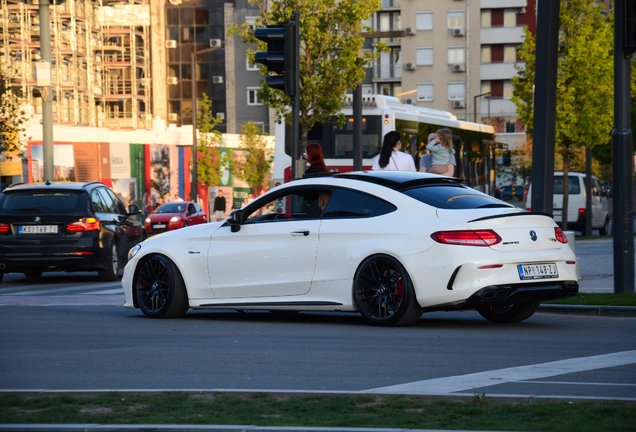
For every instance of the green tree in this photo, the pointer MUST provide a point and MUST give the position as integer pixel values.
(211, 161)
(584, 100)
(256, 161)
(12, 115)
(331, 57)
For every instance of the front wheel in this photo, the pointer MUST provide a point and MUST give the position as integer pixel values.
(159, 288)
(384, 294)
(509, 313)
(112, 271)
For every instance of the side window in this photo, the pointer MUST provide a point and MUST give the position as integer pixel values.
(197, 207)
(97, 203)
(596, 188)
(109, 204)
(346, 203)
(299, 204)
(119, 206)
(191, 209)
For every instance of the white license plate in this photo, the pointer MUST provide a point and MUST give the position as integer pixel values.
(158, 226)
(538, 271)
(37, 229)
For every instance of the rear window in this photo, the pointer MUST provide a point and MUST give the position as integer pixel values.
(453, 197)
(574, 186)
(43, 202)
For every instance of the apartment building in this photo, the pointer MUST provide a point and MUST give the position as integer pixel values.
(456, 55)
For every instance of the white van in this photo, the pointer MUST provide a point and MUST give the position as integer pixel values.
(576, 203)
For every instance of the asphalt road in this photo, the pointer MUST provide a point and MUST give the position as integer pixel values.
(69, 332)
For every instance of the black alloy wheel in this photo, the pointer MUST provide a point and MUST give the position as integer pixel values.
(159, 289)
(384, 294)
(508, 313)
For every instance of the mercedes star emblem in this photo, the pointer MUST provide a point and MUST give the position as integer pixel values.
(533, 235)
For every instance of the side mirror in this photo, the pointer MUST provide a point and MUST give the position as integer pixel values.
(133, 210)
(234, 220)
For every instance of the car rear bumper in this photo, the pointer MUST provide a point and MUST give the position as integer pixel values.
(52, 258)
(502, 295)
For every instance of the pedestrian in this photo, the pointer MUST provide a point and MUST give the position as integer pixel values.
(177, 198)
(315, 159)
(219, 207)
(441, 147)
(426, 161)
(391, 158)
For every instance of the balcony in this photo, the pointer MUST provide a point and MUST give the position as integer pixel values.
(391, 4)
(387, 72)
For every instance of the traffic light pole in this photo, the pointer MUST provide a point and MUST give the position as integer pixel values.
(295, 126)
(622, 153)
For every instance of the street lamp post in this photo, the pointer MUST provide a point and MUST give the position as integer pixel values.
(487, 95)
(195, 151)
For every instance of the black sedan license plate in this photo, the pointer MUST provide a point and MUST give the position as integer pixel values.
(37, 229)
(538, 271)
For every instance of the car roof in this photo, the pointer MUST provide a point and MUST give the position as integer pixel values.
(74, 186)
(399, 180)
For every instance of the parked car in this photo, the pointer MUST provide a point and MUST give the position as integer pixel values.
(576, 212)
(174, 215)
(388, 244)
(65, 227)
(512, 192)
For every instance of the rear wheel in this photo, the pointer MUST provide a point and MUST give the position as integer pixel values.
(159, 288)
(605, 229)
(33, 273)
(112, 272)
(384, 294)
(508, 314)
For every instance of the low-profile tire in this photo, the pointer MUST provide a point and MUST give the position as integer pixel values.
(508, 314)
(384, 294)
(36, 273)
(159, 288)
(111, 273)
(605, 229)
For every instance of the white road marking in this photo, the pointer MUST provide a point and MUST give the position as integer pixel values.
(459, 383)
(119, 290)
(20, 291)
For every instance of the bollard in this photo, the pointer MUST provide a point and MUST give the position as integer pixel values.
(571, 237)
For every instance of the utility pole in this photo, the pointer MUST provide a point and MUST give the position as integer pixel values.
(46, 90)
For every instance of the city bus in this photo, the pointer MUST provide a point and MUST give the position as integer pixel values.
(474, 143)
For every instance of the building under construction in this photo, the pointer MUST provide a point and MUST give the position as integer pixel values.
(100, 59)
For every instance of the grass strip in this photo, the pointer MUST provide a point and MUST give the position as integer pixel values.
(267, 409)
(599, 299)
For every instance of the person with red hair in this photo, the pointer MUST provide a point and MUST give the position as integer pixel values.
(315, 159)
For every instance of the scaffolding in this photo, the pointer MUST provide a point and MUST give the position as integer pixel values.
(100, 59)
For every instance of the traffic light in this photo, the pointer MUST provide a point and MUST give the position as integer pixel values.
(280, 57)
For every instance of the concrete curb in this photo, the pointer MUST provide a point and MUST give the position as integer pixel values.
(608, 311)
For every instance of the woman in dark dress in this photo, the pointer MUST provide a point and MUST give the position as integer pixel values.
(315, 159)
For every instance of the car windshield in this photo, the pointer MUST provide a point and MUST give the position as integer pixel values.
(453, 197)
(43, 202)
(171, 208)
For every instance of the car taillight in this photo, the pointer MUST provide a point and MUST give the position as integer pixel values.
(5, 228)
(87, 224)
(560, 235)
(467, 237)
(529, 209)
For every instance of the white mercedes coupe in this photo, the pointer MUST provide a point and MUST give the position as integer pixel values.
(389, 245)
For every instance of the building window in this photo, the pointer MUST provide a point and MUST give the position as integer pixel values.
(486, 19)
(510, 54)
(485, 87)
(486, 55)
(252, 96)
(367, 89)
(251, 66)
(251, 21)
(424, 56)
(456, 91)
(424, 21)
(456, 19)
(507, 89)
(510, 18)
(425, 92)
(456, 55)
(511, 126)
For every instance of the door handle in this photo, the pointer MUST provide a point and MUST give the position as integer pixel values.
(300, 233)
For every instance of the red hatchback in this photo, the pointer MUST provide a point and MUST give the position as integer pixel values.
(174, 215)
